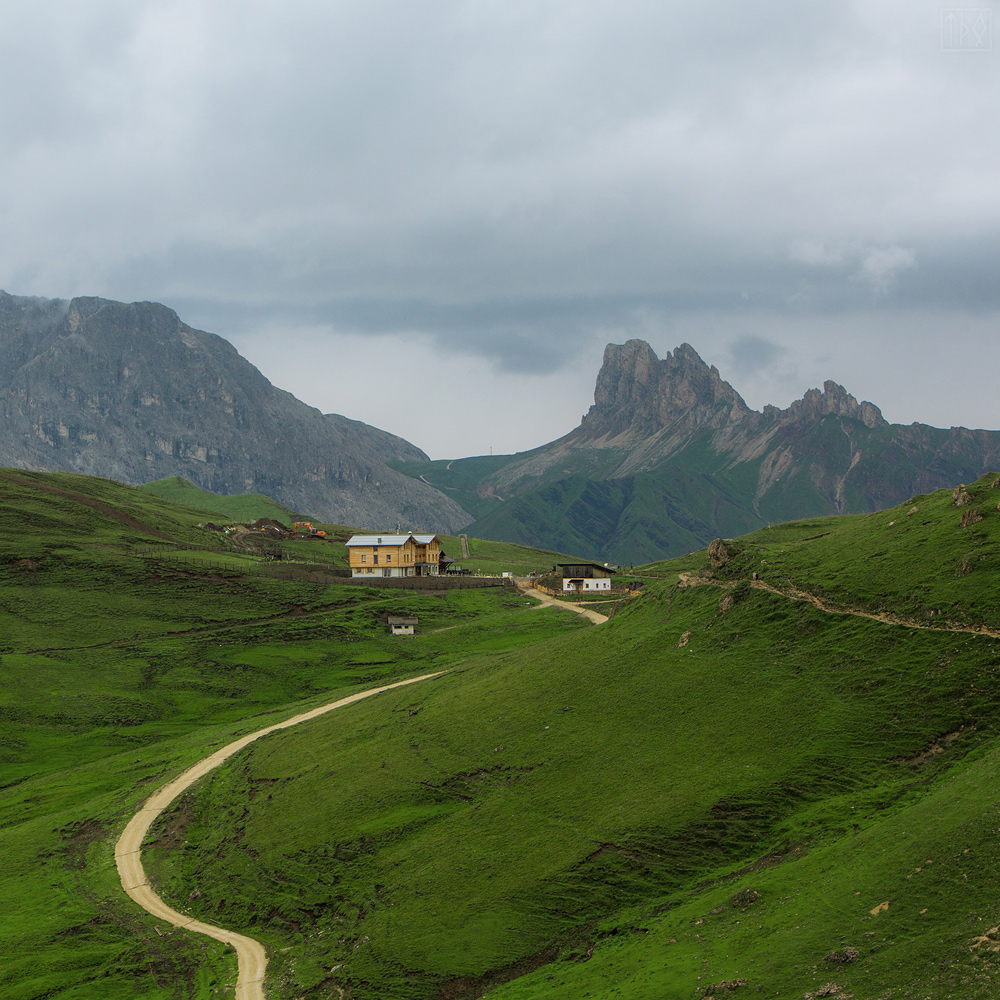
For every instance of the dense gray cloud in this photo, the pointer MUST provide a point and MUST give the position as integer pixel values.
(750, 354)
(498, 187)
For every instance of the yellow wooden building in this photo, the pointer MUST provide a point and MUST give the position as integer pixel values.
(394, 555)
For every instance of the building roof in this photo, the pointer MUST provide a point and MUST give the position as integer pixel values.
(388, 539)
(580, 565)
(402, 619)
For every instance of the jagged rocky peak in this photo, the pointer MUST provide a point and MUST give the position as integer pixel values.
(635, 386)
(835, 399)
(626, 374)
(635, 389)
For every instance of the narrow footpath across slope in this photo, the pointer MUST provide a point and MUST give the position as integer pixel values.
(251, 957)
(793, 593)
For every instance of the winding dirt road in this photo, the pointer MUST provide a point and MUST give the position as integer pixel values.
(250, 954)
(595, 616)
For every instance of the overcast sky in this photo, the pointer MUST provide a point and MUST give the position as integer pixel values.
(478, 196)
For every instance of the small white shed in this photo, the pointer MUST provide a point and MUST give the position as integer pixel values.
(402, 624)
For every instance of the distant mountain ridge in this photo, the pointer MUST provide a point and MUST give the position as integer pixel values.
(670, 456)
(130, 392)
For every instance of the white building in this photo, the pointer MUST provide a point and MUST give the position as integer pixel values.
(402, 624)
(585, 578)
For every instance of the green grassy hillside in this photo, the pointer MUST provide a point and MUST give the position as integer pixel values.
(574, 506)
(461, 479)
(51, 512)
(629, 520)
(721, 784)
(118, 671)
(725, 782)
(242, 507)
(933, 558)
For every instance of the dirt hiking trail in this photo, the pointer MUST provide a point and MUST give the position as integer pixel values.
(793, 593)
(251, 957)
(595, 616)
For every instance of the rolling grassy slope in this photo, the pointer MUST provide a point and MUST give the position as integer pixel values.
(460, 479)
(627, 519)
(242, 507)
(699, 792)
(916, 559)
(116, 672)
(695, 793)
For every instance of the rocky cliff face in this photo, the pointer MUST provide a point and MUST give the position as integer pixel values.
(688, 460)
(132, 393)
(834, 399)
(648, 412)
(635, 389)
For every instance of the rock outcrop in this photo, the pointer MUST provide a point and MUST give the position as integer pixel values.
(670, 456)
(834, 399)
(132, 393)
(636, 390)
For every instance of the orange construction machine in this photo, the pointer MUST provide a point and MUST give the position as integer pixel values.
(312, 531)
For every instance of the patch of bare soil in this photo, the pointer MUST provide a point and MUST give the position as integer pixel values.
(726, 986)
(938, 747)
(830, 990)
(79, 836)
(990, 941)
(842, 956)
(172, 825)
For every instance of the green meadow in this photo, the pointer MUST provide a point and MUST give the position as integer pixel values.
(485, 557)
(241, 507)
(720, 791)
(117, 672)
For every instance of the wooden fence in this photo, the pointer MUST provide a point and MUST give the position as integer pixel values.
(287, 569)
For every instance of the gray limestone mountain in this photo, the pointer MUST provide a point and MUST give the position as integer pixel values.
(131, 393)
(670, 456)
